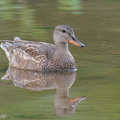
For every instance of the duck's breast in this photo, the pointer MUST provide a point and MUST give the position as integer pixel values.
(62, 62)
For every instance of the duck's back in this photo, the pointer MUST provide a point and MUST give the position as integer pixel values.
(28, 55)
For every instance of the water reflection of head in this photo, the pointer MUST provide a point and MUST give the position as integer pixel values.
(63, 103)
(41, 81)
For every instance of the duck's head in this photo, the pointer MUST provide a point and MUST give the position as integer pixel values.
(64, 34)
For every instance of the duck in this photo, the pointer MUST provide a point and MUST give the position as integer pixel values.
(42, 56)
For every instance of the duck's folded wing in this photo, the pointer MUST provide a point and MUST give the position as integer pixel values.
(35, 52)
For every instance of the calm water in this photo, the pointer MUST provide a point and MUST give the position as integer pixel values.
(97, 24)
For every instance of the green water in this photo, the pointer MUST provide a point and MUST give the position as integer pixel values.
(96, 23)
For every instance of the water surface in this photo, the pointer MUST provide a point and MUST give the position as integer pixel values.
(96, 24)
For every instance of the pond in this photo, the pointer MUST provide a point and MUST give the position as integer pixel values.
(95, 85)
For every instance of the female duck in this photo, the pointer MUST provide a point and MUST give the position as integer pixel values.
(41, 56)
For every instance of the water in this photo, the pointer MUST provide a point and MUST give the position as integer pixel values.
(96, 24)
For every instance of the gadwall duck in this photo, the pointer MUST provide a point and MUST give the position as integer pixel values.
(42, 56)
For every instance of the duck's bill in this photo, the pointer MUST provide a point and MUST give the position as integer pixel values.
(78, 99)
(74, 41)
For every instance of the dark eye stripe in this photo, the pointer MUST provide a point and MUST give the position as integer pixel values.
(64, 31)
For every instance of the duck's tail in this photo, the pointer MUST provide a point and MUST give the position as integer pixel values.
(8, 46)
(5, 46)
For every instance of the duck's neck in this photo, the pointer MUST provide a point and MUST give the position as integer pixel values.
(62, 47)
(62, 92)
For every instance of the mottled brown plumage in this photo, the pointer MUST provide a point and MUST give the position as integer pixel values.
(41, 56)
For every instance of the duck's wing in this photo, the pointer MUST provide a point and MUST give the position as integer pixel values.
(37, 51)
(23, 49)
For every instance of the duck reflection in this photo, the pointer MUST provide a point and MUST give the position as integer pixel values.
(38, 81)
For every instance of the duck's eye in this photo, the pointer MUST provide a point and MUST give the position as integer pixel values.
(63, 31)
